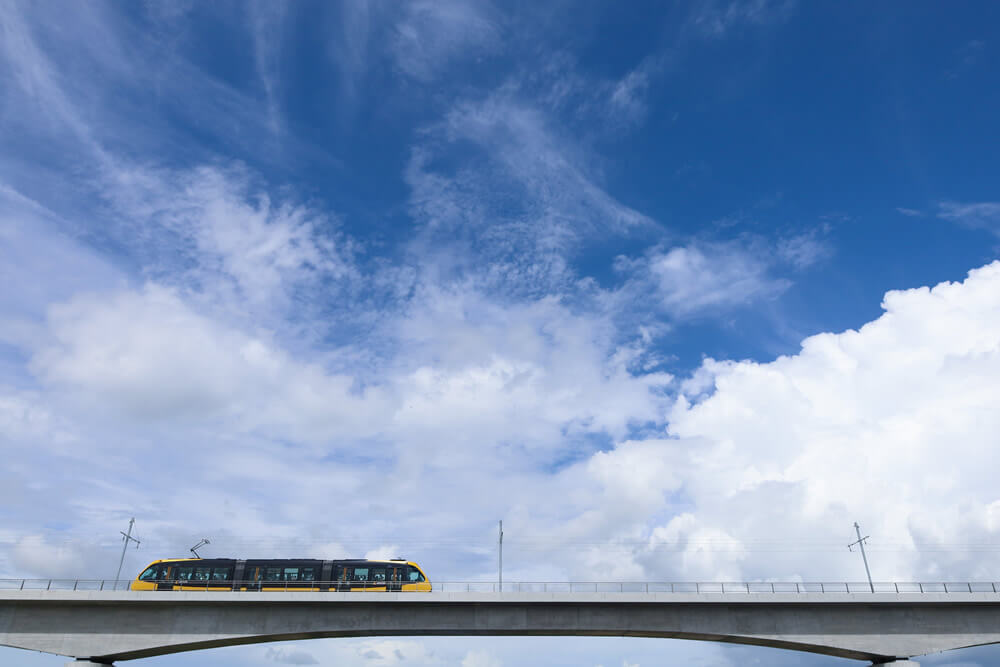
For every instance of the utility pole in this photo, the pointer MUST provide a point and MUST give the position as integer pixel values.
(126, 537)
(861, 543)
(501, 556)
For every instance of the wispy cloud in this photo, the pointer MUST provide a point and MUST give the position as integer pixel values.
(716, 18)
(804, 250)
(351, 49)
(527, 194)
(981, 215)
(267, 23)
(601, 104)
(431, 34)
(206, 227)
(62, 85)
(966, 57)
(39, 81)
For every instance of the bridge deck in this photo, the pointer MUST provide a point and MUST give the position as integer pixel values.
(122, 625)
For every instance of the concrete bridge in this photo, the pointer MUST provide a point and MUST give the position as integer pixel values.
(101, 627)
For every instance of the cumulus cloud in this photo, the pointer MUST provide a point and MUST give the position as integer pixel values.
(891, 425)
(154, 357)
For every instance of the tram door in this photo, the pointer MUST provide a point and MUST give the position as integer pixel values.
(394, 577)
(252, 575)
(165, 579)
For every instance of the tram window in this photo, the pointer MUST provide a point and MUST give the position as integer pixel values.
(307, 574)
(202, 574)
(272, 574)
(184, 572)
(222, 574)
(153, 572)
(377, 574)
(414, 574)
(291, 574)
(360, 574)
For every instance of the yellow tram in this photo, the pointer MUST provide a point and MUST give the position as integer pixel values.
(281, 574)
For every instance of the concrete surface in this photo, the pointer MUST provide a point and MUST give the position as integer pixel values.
(109, 626)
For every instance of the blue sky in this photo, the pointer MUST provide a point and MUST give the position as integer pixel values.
(678, 291)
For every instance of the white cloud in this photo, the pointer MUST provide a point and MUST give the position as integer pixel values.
(290, 656)
(686, 280)
(152, 357)
(393, 652)
(891, 425)
(481, 659)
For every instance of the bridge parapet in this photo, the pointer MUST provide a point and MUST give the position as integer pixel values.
(572, 587)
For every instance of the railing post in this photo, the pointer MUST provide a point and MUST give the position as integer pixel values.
(772, 586)
(797, 587)
(896, 585)
(22, 584)
(921, 587)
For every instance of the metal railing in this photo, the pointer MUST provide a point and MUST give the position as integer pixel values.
(528, 586)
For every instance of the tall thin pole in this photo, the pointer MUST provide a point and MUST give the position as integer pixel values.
(126, 537)
(500, 570)
(861, 543)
